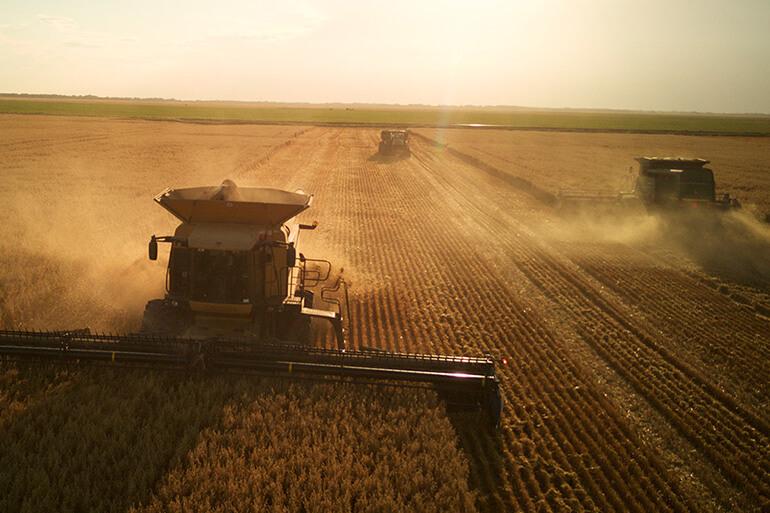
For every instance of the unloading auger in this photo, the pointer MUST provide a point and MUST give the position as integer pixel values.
(239, 298)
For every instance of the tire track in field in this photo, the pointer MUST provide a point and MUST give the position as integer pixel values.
(728, 435)
(568, 401)
(252, 163)
(691, 316)
(554, 453)
(369, 324)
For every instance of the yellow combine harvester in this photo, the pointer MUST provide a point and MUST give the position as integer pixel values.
(239, 298)
(234, 268)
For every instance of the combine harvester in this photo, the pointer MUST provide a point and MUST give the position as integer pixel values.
(663, 184)
(238, 299)
(394, 142)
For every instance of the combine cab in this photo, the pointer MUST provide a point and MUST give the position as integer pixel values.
(238, 299)
(394, 142)
(663, 184)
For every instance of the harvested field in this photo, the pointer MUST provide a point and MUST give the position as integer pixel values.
(637, 374)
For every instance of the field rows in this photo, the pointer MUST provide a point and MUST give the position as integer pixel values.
(444, 257)
(732, 437)
(566, 447)
(691, 316)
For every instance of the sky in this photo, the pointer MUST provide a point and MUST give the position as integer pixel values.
(671, 55)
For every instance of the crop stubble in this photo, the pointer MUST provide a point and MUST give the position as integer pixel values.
(434, 288)
(727, 433)
(439, 289)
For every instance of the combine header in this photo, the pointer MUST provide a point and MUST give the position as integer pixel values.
(464, 382)
(663, 184)
(239, 299)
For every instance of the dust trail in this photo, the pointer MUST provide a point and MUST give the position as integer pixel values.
(322, 244)
(626, 227)
(732, 246)
(74, 260)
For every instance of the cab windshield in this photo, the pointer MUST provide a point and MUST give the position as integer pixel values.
(220, 276)
(209, 275)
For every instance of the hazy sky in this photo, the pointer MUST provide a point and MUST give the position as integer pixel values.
(701, 55)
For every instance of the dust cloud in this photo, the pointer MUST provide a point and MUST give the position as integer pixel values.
(732, 246)
(626, 227)
(76, 260)
(78, 212)
(321, 244)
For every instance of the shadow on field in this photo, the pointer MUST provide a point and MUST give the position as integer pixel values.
(387, 159)
(103, 443)
(482, 448)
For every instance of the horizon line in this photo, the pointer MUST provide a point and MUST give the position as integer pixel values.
(380, 104)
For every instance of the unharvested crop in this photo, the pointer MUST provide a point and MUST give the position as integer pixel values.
(102, 440)
(322, 448)
(20, 388)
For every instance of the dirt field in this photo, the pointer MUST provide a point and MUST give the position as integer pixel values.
(638, 353)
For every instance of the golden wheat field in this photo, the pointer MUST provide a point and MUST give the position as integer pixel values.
(637, 349)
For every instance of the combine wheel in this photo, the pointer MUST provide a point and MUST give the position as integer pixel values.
(163, 318)
(295, 328)
(494, 404)
(303, 330)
